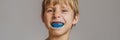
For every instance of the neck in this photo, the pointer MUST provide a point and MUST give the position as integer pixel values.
(61, 37)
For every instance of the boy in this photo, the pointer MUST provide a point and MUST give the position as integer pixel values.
(59, 16)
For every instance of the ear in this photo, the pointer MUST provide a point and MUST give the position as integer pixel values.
(75, 20)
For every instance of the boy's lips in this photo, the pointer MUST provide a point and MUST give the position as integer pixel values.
(57, 24)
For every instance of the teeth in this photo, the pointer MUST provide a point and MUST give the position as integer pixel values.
(57, 24)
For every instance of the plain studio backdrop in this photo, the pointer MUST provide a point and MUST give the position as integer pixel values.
(21, 20)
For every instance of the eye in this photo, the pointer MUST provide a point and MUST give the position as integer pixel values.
(64, 10)
(50, 10)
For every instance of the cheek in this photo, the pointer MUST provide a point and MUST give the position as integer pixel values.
(69, 17)
(69, 20)
(47, 18)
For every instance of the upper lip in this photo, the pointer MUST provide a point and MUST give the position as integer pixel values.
(57, 22)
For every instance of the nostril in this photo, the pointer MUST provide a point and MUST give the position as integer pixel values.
(56, 16)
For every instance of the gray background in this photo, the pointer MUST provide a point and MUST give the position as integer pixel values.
(99, 20)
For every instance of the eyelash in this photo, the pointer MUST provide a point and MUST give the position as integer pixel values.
(64, 10)
(50, 10)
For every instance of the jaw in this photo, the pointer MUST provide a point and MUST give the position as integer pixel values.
(58, 32)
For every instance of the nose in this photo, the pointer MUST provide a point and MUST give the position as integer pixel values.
(56, 14)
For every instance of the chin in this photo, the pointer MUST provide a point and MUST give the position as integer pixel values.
(56, 33)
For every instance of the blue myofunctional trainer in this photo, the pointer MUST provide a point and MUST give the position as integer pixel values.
(57, 25)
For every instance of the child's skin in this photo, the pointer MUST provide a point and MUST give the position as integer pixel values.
(59, 13)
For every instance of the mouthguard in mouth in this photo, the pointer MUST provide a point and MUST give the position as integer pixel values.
(57, 24)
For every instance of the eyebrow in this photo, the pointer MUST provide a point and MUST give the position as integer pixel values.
(49, 7)
(63, 6)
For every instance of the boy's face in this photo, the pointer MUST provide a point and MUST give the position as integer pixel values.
(59, 13)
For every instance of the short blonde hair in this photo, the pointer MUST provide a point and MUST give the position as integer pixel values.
(72, 3)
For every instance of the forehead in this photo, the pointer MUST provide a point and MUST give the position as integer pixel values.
(54, 2)
(57, 5)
